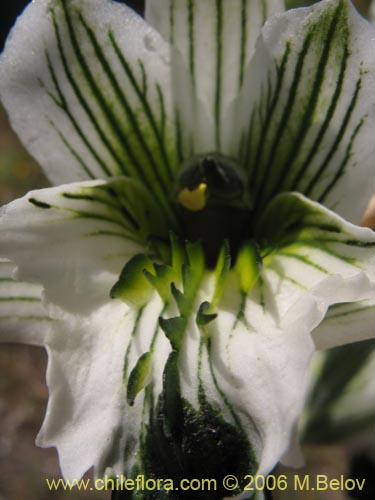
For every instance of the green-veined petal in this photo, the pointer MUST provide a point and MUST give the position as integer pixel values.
(75, 239)
(88, 418)
(311, 258)
(231, 355)
(213, 41)
(23, 317)
(230, 370)
(87, 87)
(306, 243)
(310, 128)
(344, 322)
(250, 362)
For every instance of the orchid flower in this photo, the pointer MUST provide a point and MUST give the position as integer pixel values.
(199, 243)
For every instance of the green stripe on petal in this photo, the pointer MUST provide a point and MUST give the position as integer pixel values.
(88, 386)
(183, 367)
(175, 412)
(309, 126)
(303, 244)
(345, 323)
(310, 259)
(79, 236)
(23, 317)
(297, 228)
(213, 42)
(96, 102)
(187, 372)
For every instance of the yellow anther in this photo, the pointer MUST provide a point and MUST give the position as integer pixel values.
(193, 200)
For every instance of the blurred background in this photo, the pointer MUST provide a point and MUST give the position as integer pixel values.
(23, 393)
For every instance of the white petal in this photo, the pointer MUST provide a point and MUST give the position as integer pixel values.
(75, 239)
(261, 342)
(87, 87)
(313, 250)
(310, 127)
(237, 381)
(213, 42)
(88, 418)
(262, 368)
(23, 317)
(246, 373)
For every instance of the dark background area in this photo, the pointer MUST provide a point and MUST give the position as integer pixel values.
(8, 12)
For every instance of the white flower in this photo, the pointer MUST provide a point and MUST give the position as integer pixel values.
(192, 360)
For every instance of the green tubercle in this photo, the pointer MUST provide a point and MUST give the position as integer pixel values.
(139, 377)
(248, 265)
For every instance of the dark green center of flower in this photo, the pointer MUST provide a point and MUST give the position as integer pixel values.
(213, 204)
